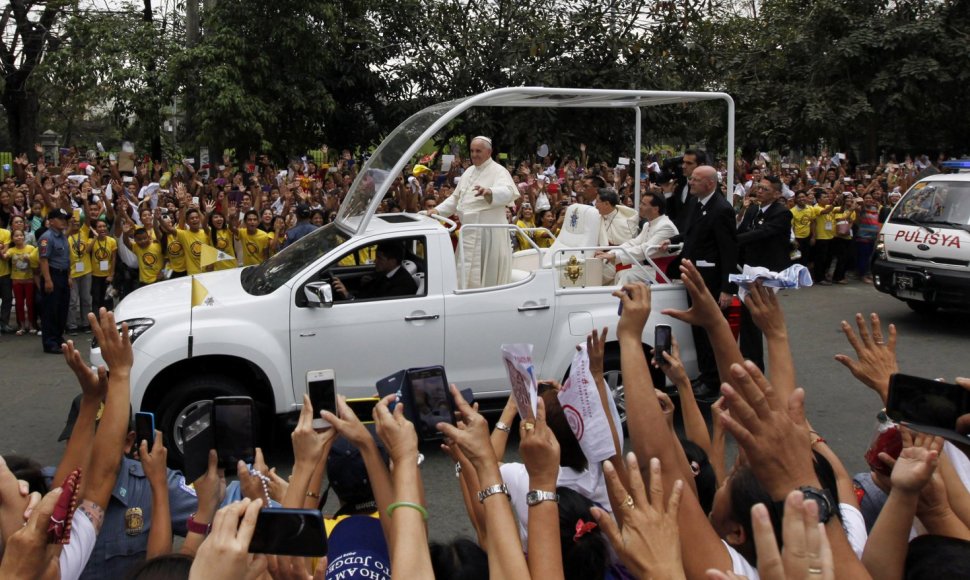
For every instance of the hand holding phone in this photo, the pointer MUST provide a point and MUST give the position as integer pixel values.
(427, 401)
(321, 387)
(662, 343)
(145, 429)
(235, 438)
(928, 406)
(289, 532)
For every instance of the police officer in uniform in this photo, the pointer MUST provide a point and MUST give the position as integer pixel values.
(123, 541)
(55, 262)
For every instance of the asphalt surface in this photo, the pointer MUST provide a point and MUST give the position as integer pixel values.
(36, 389)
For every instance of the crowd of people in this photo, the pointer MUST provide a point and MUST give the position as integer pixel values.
(676, 506)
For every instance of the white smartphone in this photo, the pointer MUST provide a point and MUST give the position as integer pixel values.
(321, 386)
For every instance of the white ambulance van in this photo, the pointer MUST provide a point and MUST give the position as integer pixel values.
(922, 255)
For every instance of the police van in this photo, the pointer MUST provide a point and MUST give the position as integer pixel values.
(922, 255)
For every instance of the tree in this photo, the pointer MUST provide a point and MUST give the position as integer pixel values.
(28, 33)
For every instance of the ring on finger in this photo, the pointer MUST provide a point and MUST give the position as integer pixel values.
(528, 425)
(628, 502)
(814, 570)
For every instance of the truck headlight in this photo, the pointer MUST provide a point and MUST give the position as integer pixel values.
(880, 251)
(136, 327)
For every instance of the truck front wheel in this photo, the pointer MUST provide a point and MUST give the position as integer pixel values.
(185, 398)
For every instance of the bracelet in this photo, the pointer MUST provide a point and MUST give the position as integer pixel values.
(492, 490)
(196, 527)
(818, 439)
(503, 427)
(407, 504)
(313, 495)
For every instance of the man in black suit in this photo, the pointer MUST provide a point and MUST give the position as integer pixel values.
(679, 204)
(764, 239)
(389, 277)
(710, 242)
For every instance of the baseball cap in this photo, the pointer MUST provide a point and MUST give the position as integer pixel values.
(356, 548)
(347, 475)
(58, 213)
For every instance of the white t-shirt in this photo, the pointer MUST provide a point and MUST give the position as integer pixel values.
(589, 484)
(855, 528)
(74, 557)
(740, 565)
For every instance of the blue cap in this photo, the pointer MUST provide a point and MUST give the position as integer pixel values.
(356, 549)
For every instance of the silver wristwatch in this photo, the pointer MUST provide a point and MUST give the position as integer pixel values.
(536, 496)
(492, 490)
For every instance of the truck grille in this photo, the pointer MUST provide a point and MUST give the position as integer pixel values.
(937, 260)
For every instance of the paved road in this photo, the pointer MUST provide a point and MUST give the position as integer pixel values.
(36, 389)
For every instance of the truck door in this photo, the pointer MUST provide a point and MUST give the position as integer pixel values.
(480, 321)
(364, 339)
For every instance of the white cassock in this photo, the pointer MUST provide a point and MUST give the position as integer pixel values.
(620, 226)
(487, 254)
(654, 233)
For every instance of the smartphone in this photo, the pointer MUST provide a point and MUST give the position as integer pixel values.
(289, 532)
(363, 408)
(127, 179)
(427, 401)
(322, 389)
(197, 439)
(928, 406)
(662, 342)
(145, 429)
(392, 385)
(235, 438)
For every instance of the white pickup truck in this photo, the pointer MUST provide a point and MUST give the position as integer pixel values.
(262, 328)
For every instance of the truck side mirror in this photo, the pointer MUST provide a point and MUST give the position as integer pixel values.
(319, 294)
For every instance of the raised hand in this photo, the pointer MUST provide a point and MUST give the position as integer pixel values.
(704, 309)
(94, 384)
(876, 356)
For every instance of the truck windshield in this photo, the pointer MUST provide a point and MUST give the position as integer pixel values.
(276, 271)
(935, 203)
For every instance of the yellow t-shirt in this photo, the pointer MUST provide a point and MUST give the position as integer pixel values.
(224, 243)
(524, 239)
(825, 225)
(192, 244)
(149, 261)
(5, 240)
(253, 246)
(101, 255)
(801, 219)
(175, 252)
(79, 247)
(23, 262)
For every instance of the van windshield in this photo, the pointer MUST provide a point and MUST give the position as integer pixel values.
(276, 271)
(936, 203)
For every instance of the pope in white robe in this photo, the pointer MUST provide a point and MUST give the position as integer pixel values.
(484, 190)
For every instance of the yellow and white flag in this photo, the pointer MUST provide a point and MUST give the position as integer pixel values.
(212, 255)
(199, 293)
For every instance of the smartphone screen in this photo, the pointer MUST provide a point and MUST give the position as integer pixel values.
(289, 532)
(926, 403)
(662, 338)
(363, 408)
(232, 419)
(197, 439)
(145, 429)
(429, 401)
(322, 389)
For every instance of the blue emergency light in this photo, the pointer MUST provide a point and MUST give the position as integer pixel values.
(957, 164)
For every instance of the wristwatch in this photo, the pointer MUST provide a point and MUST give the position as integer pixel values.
(537, 496)
(197, 527)
(822, 497)
(503, 427)
(492, 490)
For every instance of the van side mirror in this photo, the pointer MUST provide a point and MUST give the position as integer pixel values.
(319, 294)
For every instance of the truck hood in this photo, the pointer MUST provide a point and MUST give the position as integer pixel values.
(175, 296)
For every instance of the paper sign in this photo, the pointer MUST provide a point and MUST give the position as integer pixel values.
(583, 408)
(503, 155)
(446, 161)
(623, 161)
(518, 363)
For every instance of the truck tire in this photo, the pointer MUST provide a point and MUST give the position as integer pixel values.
(922, 307)
(185, 397)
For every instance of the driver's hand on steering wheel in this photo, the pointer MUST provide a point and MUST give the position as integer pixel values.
(339, 287)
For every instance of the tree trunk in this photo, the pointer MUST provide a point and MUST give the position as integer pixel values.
(22, 107)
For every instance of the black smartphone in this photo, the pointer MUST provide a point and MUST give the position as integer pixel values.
(235, 438)
(363, 408)
(289, 532)
(321, 386)
(392, 385)
(197, 440)
(926, 405)
(145, 429)
(662, 342)
(427, 401)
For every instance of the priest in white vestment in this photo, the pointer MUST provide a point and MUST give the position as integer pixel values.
(484, 257)
(657, 229)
